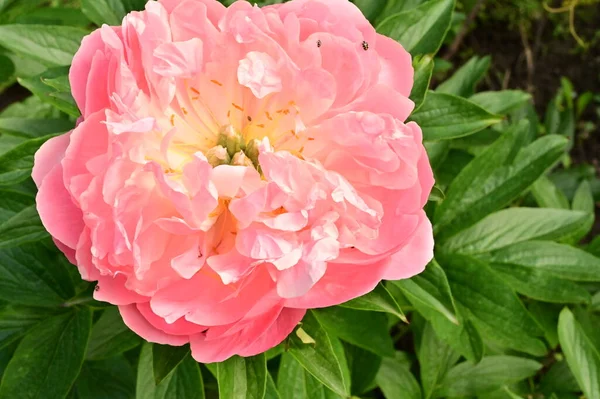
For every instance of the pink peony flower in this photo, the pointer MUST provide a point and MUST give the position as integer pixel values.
(236, 166)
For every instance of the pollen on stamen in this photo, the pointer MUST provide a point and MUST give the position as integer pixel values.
(249, 118)
(195, 98)
(228, 113)
(185, 112)
(310, 138)
(262, 126)
(268, 115)
(217, 82)
(237, 107)
(301, 149)
(173, 120)
(194, 90)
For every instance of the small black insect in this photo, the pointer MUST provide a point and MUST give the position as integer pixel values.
(319, 43)
(365, 45)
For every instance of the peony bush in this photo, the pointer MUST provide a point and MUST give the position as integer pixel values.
(241, 201)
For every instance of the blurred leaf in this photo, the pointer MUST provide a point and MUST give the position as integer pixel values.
(22, 228)
(546, 315)
(110, 336)
(583, 358)
(501, 102)
(30, 108)
(111, 378)
(435, 358)
(7, 70)
(559, 379)
(110, 12)
(185, 381)
(33, 275)
(547, 195)
(420, 30)
(583, 201)
(378, 300)
(16, 164)
(443, 117)
(54, 16)
(371, 9)
(364, 366)
(243, 377)
(515, 225)
(492, 305)
(271, 392)
(430, 289)
(48, 360)
(493, 372)
(437, 151)
(465, 79)
(32, 128)
(560, 260)
(492, 180)
(325, 359)
(166, 358)
(16, 321)
(49, 44)
(48, 94)
(396, 381)
(560, 116)
(423, 70)
(367, 330)
(293, 381)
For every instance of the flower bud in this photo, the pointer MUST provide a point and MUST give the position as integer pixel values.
(241, 159)
(231, 139)
(218, 156)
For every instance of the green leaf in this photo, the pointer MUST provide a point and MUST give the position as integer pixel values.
(430, 289)
(583, 201)
(271, 392)
(371, 9)
(32, 128)
(364, 366)
(547, 195)
(48, 360)
(111, 378)
(110, 12)
(501, 102)
(396, 381)
(493, 372)
(560, 260)
(324, 359)
(54, 16)
(465, 79)
(546, 315)
(437, 151)
(541, 285)
(48, 94)
(165, 358)
(7, 70)
(110, 336)
(367, 330)
(15, 321)
(293, 381)
(583, 358)
(16, 164)
(492, 305)
(423, 71)
(378, 300)
(33, 275)
(559, 378)
(12, 202)
(31, 107)
(444, 117)
(515, 225)
(422, 29)
(51, 45)
(435, 359)
(185, 381)
(491, 181)
(22, 228)
(243, 377)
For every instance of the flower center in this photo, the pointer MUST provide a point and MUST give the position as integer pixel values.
(233, 149)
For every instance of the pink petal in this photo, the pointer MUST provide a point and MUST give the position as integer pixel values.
(141, 326)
